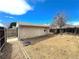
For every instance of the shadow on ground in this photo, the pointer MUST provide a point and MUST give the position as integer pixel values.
(6, 51)
(32, 41)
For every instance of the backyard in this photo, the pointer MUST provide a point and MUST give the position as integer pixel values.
(65, 46)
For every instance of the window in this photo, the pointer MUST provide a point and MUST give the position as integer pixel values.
(45, 30)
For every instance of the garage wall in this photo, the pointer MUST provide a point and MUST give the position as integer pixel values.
(30, 32)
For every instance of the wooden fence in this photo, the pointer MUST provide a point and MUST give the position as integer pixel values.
(12, 32)
(2, 37)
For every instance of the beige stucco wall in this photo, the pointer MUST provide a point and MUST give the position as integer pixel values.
(30, 32)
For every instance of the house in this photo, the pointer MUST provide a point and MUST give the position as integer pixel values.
(26, 30)
(65, 29)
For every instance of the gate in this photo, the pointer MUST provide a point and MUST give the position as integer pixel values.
(2, 37)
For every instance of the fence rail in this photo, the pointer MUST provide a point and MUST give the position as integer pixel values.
(2, 38)
(12, 32)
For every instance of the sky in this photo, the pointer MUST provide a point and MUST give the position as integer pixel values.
(38, 11)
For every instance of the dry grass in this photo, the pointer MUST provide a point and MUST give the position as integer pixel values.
(54, 47)
(47, 47)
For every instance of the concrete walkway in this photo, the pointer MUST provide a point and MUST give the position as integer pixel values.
(14, 50)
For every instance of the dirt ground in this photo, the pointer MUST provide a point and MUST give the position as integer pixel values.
(47, 47)
(54, 47)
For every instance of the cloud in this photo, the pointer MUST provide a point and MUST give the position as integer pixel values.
(9, 17)
(1, 25)
(74, 23)
(46, 24)
(14, 7)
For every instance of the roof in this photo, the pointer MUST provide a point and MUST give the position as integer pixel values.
(31, 25)
(77, 26)
(1, 27)
(71, 26)
(66, 26)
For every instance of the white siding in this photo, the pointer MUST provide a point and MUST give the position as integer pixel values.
(29, 32)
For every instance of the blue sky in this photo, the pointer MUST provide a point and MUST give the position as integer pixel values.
(38, 11)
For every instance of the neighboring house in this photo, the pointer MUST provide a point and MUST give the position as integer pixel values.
(30, 30)
(65, 29)
(12, 30)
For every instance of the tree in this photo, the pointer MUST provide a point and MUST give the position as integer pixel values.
(12, 24)
(60, 20)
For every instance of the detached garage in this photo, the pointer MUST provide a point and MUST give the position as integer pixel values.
(30, 31)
